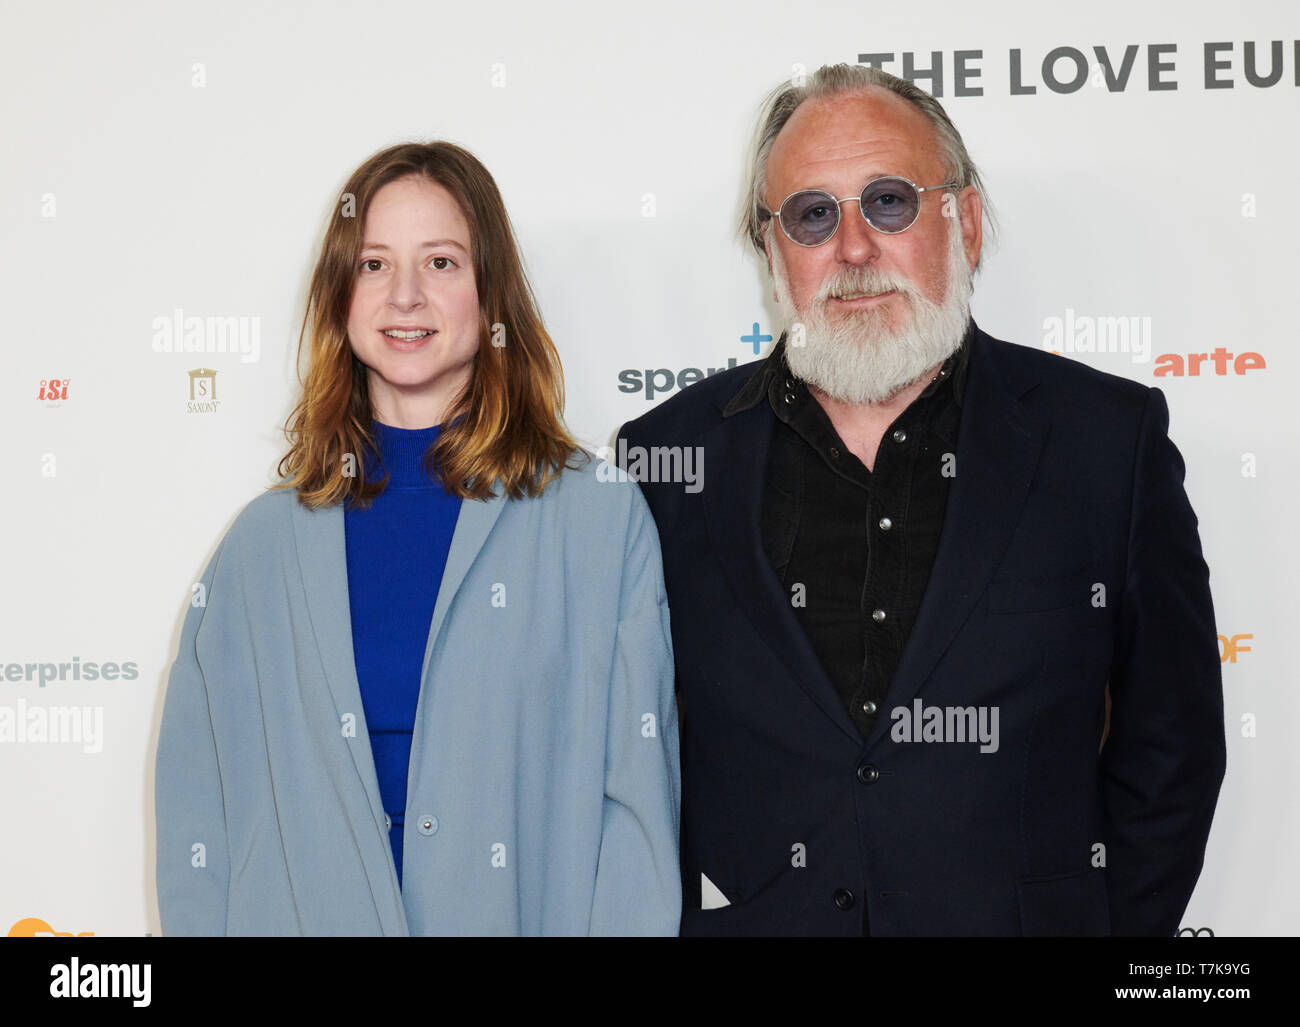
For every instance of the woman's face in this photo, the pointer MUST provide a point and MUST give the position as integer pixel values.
(414, 275)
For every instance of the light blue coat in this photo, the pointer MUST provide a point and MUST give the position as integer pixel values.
(543, 794)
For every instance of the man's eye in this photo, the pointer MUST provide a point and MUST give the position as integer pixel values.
(818, 212)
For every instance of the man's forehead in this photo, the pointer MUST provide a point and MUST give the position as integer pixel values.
(876, 132)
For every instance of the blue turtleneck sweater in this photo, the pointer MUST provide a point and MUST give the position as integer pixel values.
(396, 552)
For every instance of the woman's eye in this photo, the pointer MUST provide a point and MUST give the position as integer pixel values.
(446, 263)
(365, 264)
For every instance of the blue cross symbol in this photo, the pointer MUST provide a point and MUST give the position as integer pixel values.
(755, 338)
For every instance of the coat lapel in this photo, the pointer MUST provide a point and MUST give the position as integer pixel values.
(998, 447)
(475, 522)
(737, 448)
(322, 561)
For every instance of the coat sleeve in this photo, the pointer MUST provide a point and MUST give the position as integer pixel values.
(638, 877)
(1164, 759)
(193, 871)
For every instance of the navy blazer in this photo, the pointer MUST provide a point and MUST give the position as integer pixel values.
(1069, 561)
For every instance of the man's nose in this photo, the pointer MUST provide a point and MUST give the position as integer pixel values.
(856, 242)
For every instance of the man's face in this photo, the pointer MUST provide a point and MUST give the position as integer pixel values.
(839, 144)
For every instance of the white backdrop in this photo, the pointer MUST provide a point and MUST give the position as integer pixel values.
(162, 157)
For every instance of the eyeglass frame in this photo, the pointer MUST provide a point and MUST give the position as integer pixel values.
(839, 217)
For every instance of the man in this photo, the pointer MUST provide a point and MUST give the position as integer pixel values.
(925, 567)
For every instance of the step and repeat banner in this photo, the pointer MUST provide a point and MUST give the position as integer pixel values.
(168, 170)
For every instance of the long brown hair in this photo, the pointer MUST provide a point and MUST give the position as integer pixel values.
(506, 425)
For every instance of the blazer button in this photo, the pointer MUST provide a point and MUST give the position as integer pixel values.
(843, 898)
(868, 774)
(869, 707)
(877, 615)
(885, 524)
(428, 824)
(900, 435)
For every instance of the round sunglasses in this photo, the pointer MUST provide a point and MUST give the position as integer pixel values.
(890, 205)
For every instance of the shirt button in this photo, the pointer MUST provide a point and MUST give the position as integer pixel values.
(868, 774)
(428, 824)
(885, 524)
(789, 397)
(835, 453)
(868, 707)
(900, 435)
(843, 898)
(877, 615)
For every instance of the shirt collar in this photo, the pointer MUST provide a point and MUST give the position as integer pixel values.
(776, 370)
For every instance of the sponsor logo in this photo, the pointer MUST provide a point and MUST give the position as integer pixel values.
(53, 392)
(34, 927)
(1230, 647)
(660, 381)
(203, 392)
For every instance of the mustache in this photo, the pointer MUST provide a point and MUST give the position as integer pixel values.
(862, 280)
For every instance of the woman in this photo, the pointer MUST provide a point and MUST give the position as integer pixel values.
(430, 687)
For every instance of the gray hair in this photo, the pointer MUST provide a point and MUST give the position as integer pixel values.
(837, 80)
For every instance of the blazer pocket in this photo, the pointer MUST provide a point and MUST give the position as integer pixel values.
(1057, 905)
(1027, 595)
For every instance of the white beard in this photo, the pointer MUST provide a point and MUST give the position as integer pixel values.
(861, 358)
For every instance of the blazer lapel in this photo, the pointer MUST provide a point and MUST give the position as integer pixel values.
(322, 562)
(998, 447)
(473, 525)
(737, 448)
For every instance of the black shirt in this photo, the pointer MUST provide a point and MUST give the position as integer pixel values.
(853, 548)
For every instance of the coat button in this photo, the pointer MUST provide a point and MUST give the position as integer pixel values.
(877, 615)
(885, 524)
(900, 435)
(869, 707)
(428, 824)
(868, 774)
(843, 898)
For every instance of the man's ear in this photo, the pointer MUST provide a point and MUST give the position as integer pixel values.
(972, 224)
(767, 248)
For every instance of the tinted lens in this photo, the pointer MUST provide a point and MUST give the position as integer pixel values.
(810, 217)
(890, 204)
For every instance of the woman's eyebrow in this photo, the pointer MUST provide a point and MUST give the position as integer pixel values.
(424, 245)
